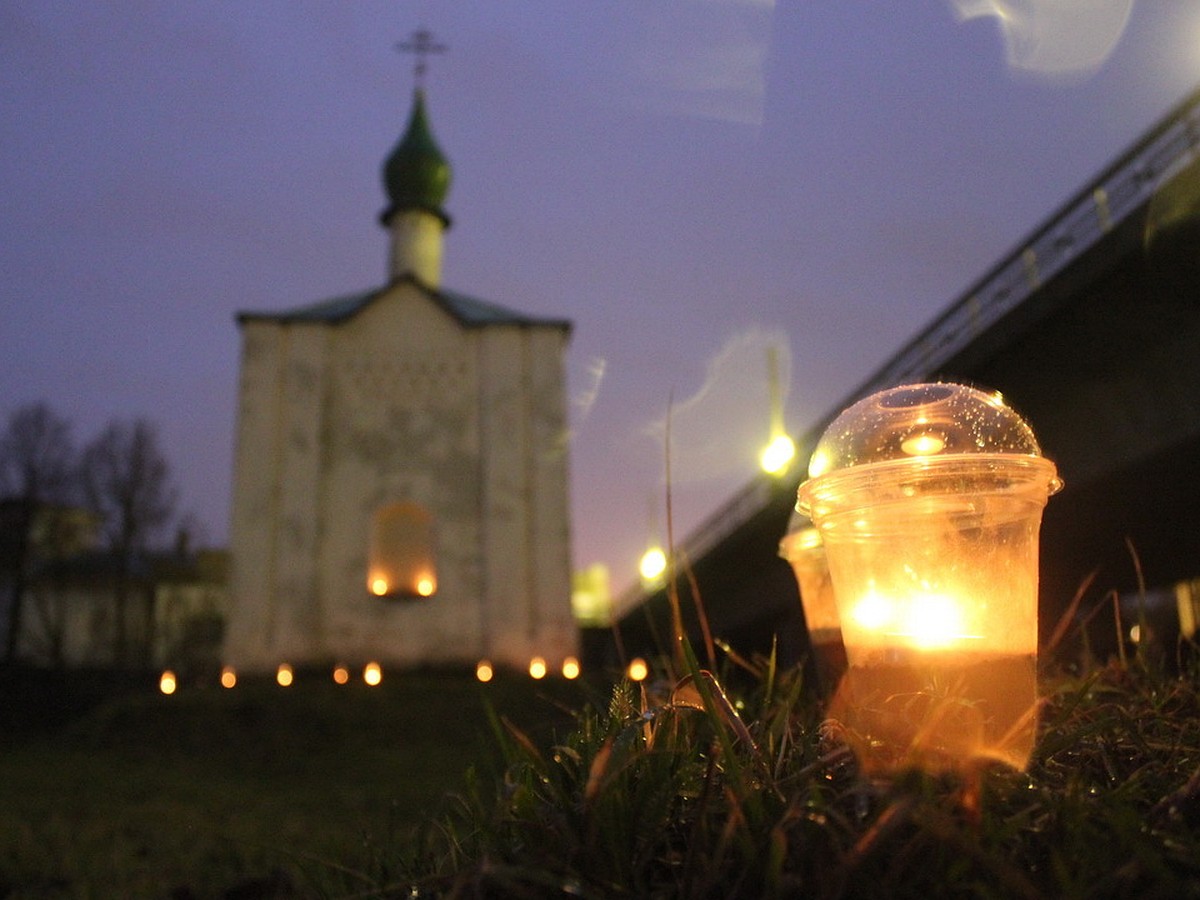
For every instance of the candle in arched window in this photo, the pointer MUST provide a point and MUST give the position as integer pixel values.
(401, 554)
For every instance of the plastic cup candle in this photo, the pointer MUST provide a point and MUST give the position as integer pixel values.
(803, 549)
(928, 499)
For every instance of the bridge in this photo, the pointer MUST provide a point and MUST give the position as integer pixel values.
(1091, 329)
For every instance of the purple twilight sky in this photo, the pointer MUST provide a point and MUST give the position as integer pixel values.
(689, 181)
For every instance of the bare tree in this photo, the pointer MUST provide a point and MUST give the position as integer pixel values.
(37, 465)
(126, 480)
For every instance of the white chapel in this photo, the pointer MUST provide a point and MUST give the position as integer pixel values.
(400, 474)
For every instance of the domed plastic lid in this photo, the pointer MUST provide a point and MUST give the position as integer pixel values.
(921, 420)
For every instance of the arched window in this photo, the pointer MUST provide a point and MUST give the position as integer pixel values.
(401, 561)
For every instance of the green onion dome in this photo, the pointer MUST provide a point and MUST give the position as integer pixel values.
(416, 175)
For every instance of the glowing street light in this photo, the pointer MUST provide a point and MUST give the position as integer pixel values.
(341, 674)
(928, 499)
(776, 458)
(228, 677)
(637, 670)
(570, 668)
(166, 682)
(484, 671)
(284, 675)
(537, 668)
(653, 564)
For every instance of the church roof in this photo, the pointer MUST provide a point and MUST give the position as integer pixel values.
(469, 311)
(416, 175)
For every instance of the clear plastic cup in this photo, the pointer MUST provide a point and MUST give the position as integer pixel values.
(804, 550)
(928, 499)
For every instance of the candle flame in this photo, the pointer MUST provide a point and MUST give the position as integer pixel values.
(873, 612)
(927, 621)
(372, 674)
(934, 621)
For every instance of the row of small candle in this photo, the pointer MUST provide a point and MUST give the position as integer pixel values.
(372, 673)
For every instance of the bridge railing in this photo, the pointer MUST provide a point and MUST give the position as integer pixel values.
(1099, 207)
(1103, 204)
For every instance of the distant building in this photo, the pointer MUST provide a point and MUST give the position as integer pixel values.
(400, 489)
(173, 612)
(83, 608)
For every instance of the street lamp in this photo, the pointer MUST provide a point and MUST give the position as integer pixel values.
(776, 458)
(652, 564)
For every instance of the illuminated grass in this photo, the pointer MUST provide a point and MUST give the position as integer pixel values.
(676, 795)
(693, 789)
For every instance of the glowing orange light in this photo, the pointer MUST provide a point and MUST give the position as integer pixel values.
(228, 677)
(537, 667)
(425, 586)
(483, 671)
(820, 463)
(873, 612)
(638, 670)
(926, 443)
(934, 621)
(570, 668)
(372, 674)
(379, 586)
(166, 683)
(808, 539)
(284, 675)
(341, 675)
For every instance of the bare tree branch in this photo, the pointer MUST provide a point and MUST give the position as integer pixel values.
(37, 467)
(126, 480)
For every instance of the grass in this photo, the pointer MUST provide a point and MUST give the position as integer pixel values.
(685, 792)
(693, 785)
(299, 792)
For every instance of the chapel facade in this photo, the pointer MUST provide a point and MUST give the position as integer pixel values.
(400, 484)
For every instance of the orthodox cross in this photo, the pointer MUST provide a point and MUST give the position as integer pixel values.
(421, 45)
